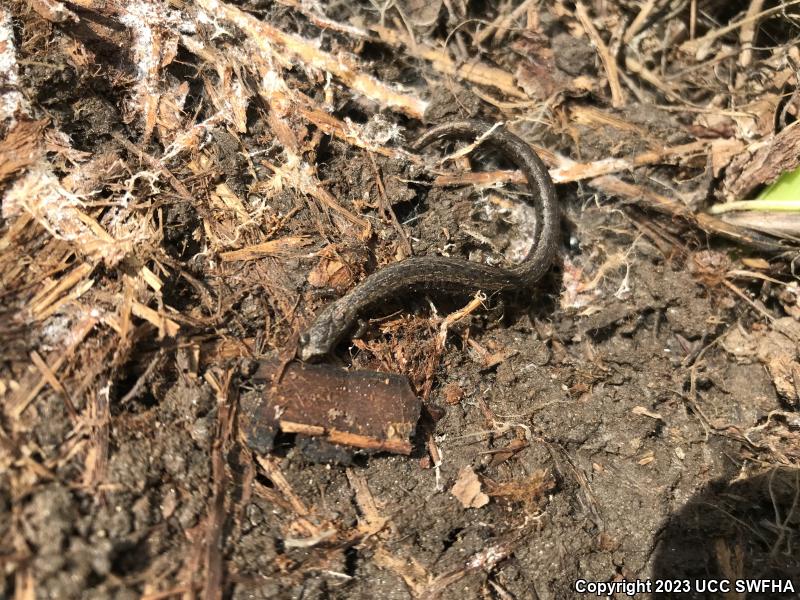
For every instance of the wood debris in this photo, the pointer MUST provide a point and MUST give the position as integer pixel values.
(467, 489)
(777, 349)
(373, 411)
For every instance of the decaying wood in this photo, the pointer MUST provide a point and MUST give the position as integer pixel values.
(762, 162)
(32, 385)
(212, 587)
(343, 67)
(21, 148)
(362, 409)
(12, 101)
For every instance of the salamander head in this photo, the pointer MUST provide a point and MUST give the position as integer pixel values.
(323, 335)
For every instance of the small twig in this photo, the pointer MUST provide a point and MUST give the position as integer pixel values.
(276, 476)
(637, 68)
(760, 310)
(215, 521)
(479, 73)
(51, 378)
(638, 22)
(386, 207)
(453, 317)
(648, 198)
(748, 33)
(501, 25)
(693, 45)
(568, 171)
(609, 63)
(142, 380)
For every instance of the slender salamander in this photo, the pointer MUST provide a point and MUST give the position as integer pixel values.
(441, 272)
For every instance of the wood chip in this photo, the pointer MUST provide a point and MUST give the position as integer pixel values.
(270, 248)
(467, 489)
(642, 411)
(362, 409)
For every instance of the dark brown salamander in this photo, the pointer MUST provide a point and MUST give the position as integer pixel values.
(444, 273)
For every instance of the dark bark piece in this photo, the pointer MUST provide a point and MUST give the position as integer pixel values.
(362, 409)
(762, 163)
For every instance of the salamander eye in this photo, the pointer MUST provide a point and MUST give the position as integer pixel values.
(304, 339)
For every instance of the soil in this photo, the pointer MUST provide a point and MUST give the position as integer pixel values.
(654, 443)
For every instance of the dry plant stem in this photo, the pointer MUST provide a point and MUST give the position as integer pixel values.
(635, 67)
(569, 171)
(281, 246)
(48, 299)
(473, 305)
(666, 243)
(647, 198)
(609, 63)
(212, 588)
(324, 22)
(344, 438)
(142, 380)
(638, 22)
(344, 68)
(386, 207)
(780, 225)
(500, 26)
(51, 378)
(593, 116)
(441, 338)
(483, 34)
(31, 387)
(694, 45)
(478, 73)
(276, 476)
(744, 297)
(748, 32)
